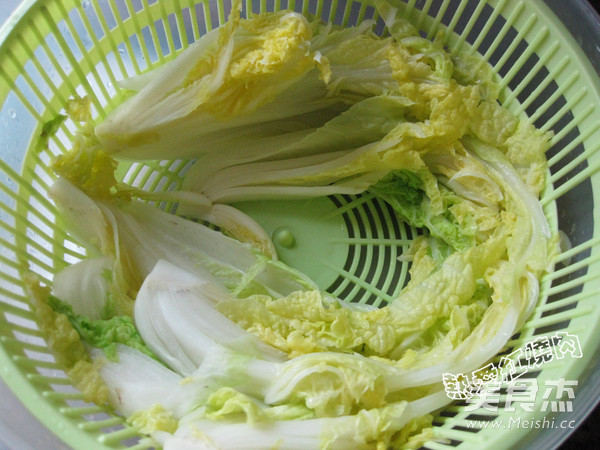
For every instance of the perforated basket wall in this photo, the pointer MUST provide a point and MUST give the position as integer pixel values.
(55, 49)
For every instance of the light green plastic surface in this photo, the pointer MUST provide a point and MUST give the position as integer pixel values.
(53, 49)
(297, 229)
(349, 247)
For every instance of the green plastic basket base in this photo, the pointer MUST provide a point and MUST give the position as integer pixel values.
(348, 245)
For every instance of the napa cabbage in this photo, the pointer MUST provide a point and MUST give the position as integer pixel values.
(185, 322)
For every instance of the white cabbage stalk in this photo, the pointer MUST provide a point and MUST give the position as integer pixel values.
(246, 372)
(175, 315)
(136, 235)
(358, 431)
(96, 229)
(333, 376)
(531, 288)
(182, 104)
(234, 223)
(322, 163)
(281, 172)
(191, 245)
(83, 216)
(85, 285)
(484, 342)
(136, 382)
(174, 72)
(353, 186)
(460, 183)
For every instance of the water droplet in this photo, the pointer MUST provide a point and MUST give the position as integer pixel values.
(121, 50)
(86, 3)
(12, 113)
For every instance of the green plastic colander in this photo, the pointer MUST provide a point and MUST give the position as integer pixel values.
(51, 50)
